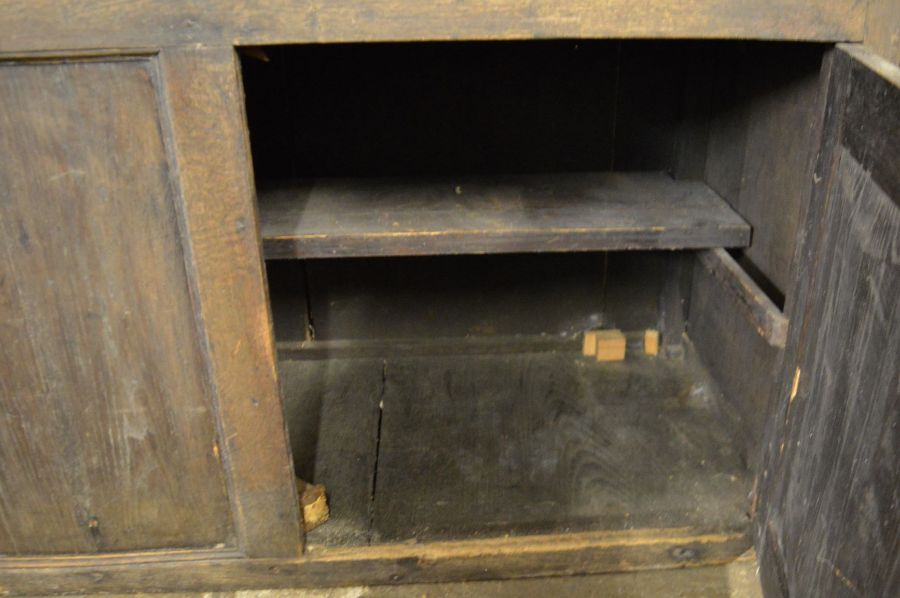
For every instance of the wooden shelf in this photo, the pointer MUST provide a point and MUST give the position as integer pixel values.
(497, 214)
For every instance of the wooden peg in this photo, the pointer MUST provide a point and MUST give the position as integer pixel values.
(589, 345)
(313, 503)
(651, 342)
(610, 345)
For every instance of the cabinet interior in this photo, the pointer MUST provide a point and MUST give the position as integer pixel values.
(443, 221)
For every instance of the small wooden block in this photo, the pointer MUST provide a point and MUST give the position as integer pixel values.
(313, 503)
(651, 342)
(610, 345)
(589, 346)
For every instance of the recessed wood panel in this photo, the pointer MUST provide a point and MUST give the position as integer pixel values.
(108, 439)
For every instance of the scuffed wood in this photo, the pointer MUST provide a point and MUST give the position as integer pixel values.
(741, 361)
(69, 24)
(750, 300)
(107, 424)
(831, 479)
(496, 444)
(763, 128)
(502, 214)
(208, 142)
(500, 558)
(882, 32)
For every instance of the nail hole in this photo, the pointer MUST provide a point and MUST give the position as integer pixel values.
(683, 553)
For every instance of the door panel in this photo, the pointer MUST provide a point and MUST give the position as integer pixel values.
(830, 519)
(107, 434)
(139, 406)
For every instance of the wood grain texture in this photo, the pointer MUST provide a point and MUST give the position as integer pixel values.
(758, 159)
(737, 579)
(501, 558)
(492, 444)
(674, 300)
(435, 297)
(209, 144)
(48, 25)
(107, 427)
(501, 214)
(742, 362)
(332, 406)
(751, 302)
(830, 478)
(882, 33)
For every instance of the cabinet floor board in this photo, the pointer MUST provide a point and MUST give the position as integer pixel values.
(484, 445)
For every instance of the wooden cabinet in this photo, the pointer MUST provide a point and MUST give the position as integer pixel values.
(140, 402)
(232, 257)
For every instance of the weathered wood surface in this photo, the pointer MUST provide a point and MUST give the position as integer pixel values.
(750, 300)
(107, 417)
(762, 129)
(52, 24)
(882, 34)
(496, 444)
(737, 579)
(481, 443)
(472, 560)
(674, 300)
(743, 363)
(435, 297)
(210, 147)
(502, 214)
(830, 500)
(332, 409)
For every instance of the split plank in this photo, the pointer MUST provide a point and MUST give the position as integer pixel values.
(332, 413)
(486, 445)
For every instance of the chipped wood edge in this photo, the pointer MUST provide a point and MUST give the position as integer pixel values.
(463, 560)
(768, 321)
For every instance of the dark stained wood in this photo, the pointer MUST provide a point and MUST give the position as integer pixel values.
(332, 409)
(501, 214)
(203, 98)
(288, 298)
(47, 25)
(500, 558)
(831, 479)
(674, 299)
(107, 423)
(650, 83)
(872, 125)
(480, 296)
(759, 152)
(743, 363)
(475, 345)
(486, 445)
(750, 300)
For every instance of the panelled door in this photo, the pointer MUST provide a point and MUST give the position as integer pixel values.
(830, 499)
(139, 405)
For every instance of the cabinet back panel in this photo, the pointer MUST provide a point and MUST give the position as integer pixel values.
(107, 433)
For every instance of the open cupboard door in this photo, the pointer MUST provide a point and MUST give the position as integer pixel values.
(139, 404)
(829, 523)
